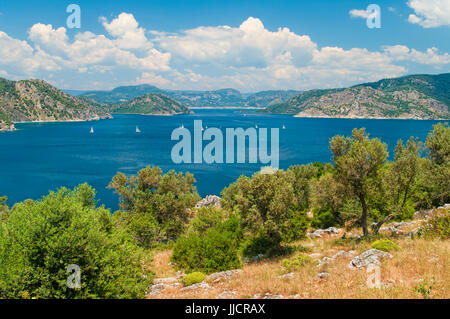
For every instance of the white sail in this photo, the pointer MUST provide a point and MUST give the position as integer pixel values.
(92, 130)
(138, 130)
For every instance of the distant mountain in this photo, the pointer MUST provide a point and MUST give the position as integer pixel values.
(216, 98)
(414, 97)
(151, 104)
(36, 100)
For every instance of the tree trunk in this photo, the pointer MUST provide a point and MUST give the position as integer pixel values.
(364, 215)
(377, 227)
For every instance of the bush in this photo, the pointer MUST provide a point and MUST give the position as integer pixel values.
(166, 196)
(323, 219)
(40, 239)
(206, 218)
(193, 278)
(438, 226)
(385, 245)
(296, 227)
(297, 262)
(216, 250)
(261, 245)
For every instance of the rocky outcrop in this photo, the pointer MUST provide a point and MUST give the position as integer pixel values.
(38, 101)
(319, 232)
(210, 200)
(371, 256)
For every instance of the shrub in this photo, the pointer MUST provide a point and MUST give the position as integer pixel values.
(261, 245)
(216, 250)
(40, 239)
(193, 278)
(206, 218)
(167, 196)
(323, 219)
(297, 262)
(263, 202)
(438, 226)
(385, 245)
(296, 227)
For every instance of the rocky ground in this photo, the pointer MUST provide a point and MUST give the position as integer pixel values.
(341, 269)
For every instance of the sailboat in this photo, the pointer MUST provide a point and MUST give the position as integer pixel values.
(182, 126)
(138, 130)
(284, 127)
(92, 130)
(256, 126)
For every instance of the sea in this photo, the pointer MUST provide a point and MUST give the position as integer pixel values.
(40, 157)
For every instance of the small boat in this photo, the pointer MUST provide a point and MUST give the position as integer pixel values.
(182, 126)
(138, 130)
(284, 127)
(92, 130)
(256, 126)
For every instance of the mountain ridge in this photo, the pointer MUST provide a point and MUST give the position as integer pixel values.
(38, 101)
(419, 96)
(151, 104)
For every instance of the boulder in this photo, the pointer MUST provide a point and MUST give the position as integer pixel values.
(371, 256)
(210, 200)
(223, 275)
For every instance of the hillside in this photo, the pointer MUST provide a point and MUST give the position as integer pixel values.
(215, 98)
(413, 97)
(36, 100)
(151, 104)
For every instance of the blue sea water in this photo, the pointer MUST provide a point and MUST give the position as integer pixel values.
(39, 157)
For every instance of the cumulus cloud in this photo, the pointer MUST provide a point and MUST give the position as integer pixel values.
(430, 13)
(248, 57)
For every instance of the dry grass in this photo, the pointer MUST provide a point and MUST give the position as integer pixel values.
(416, 260)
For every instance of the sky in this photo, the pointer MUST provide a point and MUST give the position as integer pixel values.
(206, 45)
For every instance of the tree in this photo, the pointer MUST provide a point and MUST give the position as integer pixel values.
(357, 161)
(263, 202)
(40, 239)
(166, 197)
(400, 178)
(433, 187)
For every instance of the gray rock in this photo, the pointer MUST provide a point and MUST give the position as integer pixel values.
(226, 294)
(223, 275)
(201, 285)
(319, 232)
(165, 281)
(210, 200)
(371, 256)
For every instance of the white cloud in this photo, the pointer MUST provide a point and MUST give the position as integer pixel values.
(355, 13)
(248, 57)
(430, 13)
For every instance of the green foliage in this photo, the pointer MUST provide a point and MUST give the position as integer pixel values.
(40, 239)
(385, 245)
(425, 288)
(166, 197)
(263, 202)
(297, 262)
(206, 218)
(323, 219)
(438, 144)
(438, 226)
(261, 245)
(296, 226)
(358, 161)
(3, 209)
(216, 250)
(193, 278)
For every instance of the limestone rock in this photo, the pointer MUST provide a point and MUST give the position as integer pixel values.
(371, 256)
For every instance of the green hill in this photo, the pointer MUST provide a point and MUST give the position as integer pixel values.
(151, 104)
(414, 96)
(36, 100)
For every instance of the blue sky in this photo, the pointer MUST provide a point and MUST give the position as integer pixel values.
(247, 45)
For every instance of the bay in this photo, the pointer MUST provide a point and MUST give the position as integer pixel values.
(39, 157)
